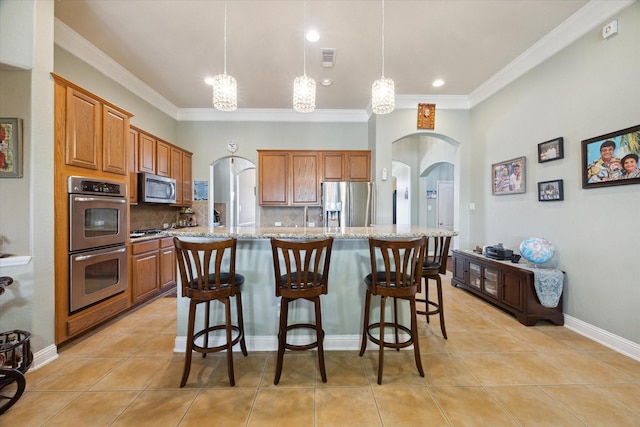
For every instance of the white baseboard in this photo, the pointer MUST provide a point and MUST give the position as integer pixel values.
(614, 342)
(44, 356)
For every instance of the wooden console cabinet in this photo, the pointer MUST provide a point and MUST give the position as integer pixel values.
(503, 284)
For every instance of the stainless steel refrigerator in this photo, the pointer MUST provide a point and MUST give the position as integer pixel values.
(348, 204)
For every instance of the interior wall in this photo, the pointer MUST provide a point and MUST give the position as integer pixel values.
(589, 89)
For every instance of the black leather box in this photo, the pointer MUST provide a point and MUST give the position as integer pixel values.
(498, 253)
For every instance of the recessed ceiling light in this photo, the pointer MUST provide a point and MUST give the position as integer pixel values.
(313, 36)
(209, 80)
(326, 81)
(437, 83)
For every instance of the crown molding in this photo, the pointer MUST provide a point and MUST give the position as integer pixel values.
(77, 45)
(270, 115)
(574, 27)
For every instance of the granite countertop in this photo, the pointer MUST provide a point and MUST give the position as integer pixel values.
(378, 231)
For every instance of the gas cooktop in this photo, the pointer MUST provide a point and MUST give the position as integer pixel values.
(140, 233)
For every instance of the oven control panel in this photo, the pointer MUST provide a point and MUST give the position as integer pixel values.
(80, 185)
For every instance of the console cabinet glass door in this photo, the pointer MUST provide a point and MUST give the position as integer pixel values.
(490, 281)
(475, 275)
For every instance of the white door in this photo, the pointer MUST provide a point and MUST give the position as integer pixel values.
(246, 197)
(445, 205)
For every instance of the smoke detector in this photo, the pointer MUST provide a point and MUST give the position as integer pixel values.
(328, 56)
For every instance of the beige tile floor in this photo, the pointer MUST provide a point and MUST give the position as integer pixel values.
(492, 371)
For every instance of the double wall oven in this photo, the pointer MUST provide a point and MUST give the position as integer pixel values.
(98, 261)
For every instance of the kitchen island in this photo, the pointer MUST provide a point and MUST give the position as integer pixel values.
(342, 307)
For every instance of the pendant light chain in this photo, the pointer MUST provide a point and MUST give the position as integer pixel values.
(225, 87)
(383, 39)
(304, 88)
(225, 37)
(383, 90)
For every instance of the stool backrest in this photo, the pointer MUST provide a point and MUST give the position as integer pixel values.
(436, 253)
(306, 266)
(396, 265)
(201, 278)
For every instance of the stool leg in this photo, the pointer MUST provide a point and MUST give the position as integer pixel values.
(440, 306)
(426, 297)
(189, 350)
(243, 346)
(282, 338)
(227, 315)
(414, 336)
(365, 327)
(381, 346)
(320, 338)
(207, 309)
(395, 320)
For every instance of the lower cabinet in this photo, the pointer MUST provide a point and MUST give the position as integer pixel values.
(503, 284)
(153, 268)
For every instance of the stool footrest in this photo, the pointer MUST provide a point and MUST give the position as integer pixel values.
(436, 306)
(301, 347)
(395, 327)
(217, 348)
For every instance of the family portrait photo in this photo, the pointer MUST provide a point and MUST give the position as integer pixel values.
(611, 159)
(550, 150)
(509, 176)
(10, 148)
(550, 191)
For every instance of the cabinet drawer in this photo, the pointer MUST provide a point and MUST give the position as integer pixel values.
(166, 242)
(141, 247)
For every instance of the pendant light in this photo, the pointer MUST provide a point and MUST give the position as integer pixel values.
(383, 90)
(225, 88)
(304, 87)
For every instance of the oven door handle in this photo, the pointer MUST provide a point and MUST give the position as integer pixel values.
(86, 257)
(100, 199)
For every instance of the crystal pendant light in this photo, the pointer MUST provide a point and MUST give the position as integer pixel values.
(383, 90)
(304, 87)
(225, 88)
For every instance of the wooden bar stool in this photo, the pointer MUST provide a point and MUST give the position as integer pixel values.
(396, 267)
(203, 281)
(435, 264)
(306, 269)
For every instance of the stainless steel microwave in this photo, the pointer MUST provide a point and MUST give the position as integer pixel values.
(156, 189)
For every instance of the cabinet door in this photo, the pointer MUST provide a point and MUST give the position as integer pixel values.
(133, 166)
(459, 269)
(187, 180)
(333, 166)
(490, 281)
(305, 188)
(167, 263)
(176, 173)
(273, 181)
(144, 269)
(83, 130)
(513, 286)
(359, 166)
(475, 275)
(115, 128)
(147, 154)
(163, 159)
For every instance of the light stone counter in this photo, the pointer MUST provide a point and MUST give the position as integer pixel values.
(342, 307)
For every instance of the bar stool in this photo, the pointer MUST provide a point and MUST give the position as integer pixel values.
(435, 264)
(203, 281)
(397, 276)
(306, 269)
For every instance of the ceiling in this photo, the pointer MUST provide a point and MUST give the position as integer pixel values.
(172, 45)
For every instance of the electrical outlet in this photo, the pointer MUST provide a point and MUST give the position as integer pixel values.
(278, 224)
(609, 30)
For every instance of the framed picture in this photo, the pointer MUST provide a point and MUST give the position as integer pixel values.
(426, 116)
(10, 148)
(550, 150)
(550, 191)
(508, 177)
(611, 159)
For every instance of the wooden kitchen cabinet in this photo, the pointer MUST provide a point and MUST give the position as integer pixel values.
(503, 284)
(133, 166)
(153, 268)
(345, 166)
(333, 166)
(163, 158)
(305, 185)
(96, 133)
(187, 178)
(358, 166)
(273, 178)
(176, 173)
(146, 153)
(167, 268)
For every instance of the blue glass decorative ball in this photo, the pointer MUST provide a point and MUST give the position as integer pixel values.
(536, 250)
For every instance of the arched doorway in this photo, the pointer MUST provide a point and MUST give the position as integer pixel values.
(232, 195)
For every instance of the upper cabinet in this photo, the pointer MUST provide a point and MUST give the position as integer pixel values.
(292, 178)
(134, 136)
(163, 158)
(96, 133)
(345, 165)
(147, 153)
